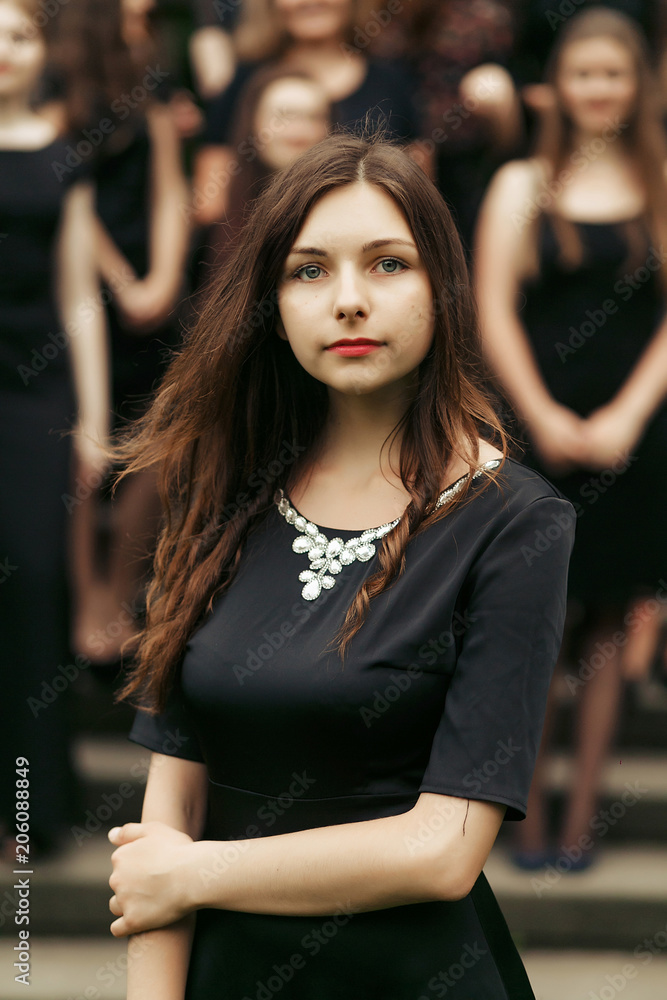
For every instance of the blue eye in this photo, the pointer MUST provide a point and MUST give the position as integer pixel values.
(309, 272)
(392, 265)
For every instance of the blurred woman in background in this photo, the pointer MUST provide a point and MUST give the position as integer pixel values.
(317, 39)
(114, 92)
(53, 366)
(571, 280)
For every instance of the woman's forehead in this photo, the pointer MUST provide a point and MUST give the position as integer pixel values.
(358, 212)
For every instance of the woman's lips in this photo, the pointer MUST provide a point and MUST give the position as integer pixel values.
(354, 348)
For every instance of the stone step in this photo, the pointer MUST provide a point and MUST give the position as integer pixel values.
(619, 902)
(94, 969)
(598, 975)
(114, 771)
(615, 904)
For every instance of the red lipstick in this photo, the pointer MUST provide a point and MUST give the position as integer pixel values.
(354, 348)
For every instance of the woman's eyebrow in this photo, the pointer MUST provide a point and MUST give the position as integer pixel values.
(373, 245)
(308, 252)
(376, 244)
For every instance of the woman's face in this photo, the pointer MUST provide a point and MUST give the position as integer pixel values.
(22, 51)
(355, 299)
(597, 82)
(292, 115)
(315, 20)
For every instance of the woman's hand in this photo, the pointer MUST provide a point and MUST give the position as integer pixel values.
(144, 304)
(92, 460)
(559, 437)
(149, 877)
(611, 433)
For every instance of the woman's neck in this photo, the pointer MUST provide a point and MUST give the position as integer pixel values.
(20, 126)
(614, 150)
(15, 110)
(356, 430)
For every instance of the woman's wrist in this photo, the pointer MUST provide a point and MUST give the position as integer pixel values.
(187, 875)
(202, 866)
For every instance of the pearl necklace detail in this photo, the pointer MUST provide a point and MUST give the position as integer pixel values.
(327, 557)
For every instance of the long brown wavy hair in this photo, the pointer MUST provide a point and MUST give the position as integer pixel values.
(93, 67)
(643, 138)
(235, 394)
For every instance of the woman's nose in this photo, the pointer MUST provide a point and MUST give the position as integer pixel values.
(351, 299)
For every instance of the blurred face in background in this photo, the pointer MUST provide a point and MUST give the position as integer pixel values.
(597, 82)
(22, 51)
(292, 115)
(315, 20)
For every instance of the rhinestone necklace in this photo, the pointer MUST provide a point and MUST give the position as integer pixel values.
(327, 557)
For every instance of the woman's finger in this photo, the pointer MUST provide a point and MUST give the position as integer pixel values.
(127, 833)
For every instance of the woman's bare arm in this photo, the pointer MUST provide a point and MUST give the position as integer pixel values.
(146, 303)
(434, 851)
(213, 170)
(213, 59)
(169, 200)
(83, 319)
(158, 960)
(490, 90)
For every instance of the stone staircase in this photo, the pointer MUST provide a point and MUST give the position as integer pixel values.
(584, 936)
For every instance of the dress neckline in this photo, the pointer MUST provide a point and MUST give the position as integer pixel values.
(328, 556)
(34, 149)
(597, 222)
(283, 500)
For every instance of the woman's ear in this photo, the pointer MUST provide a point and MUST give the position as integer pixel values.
(280, 329)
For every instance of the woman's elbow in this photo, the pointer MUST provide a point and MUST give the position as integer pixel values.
(451, 880)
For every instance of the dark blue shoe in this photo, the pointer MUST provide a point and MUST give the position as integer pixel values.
(531, 861)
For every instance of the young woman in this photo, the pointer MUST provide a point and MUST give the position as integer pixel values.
(317, 39)
(53, 371)
(572, 278)
(347, 649)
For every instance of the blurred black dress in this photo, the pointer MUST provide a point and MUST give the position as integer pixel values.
(36, 402)
(588, 327)
(385, 95)
(443, 690)
(122, 176)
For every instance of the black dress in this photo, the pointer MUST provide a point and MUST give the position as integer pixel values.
(588, 327)
(36, 403)
(442, 690)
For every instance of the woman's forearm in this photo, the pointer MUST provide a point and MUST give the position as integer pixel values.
(83, 316)
(644, 390)
(169, 204)
(434, 851)
(158, 962)
(510, 356)
(355, 867)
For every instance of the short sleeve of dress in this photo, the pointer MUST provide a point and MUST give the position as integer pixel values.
(171, 732)
(487, 740)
